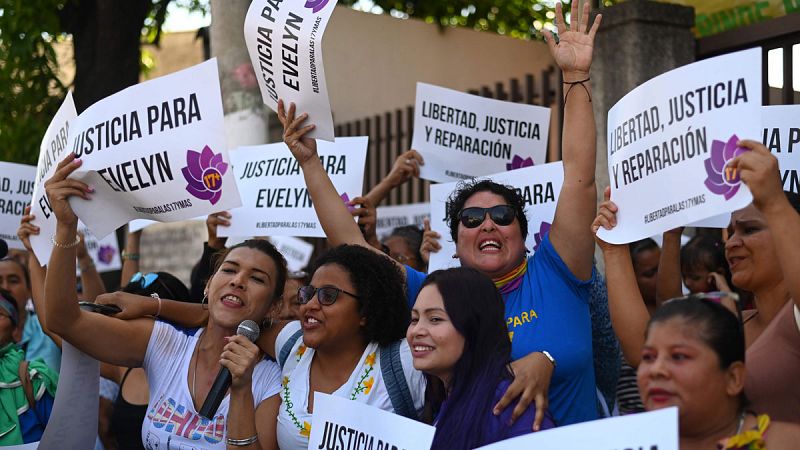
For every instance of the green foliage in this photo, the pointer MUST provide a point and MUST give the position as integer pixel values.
(523, 19)
(30, 92)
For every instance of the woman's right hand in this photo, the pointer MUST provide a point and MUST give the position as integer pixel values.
(218, 219)
(59, 188)
(302, 148)
(26, 229)
(131, 306)
(405, 167)
(606, 218)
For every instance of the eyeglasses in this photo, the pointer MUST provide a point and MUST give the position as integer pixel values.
(146, 280)
(326, 295)
(473, 217)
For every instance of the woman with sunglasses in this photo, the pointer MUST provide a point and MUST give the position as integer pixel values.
(180, 368)
(459, 338)
(763, 256)
(353, 317)
(546, 296)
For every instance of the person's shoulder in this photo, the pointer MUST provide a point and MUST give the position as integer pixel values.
(782, 435)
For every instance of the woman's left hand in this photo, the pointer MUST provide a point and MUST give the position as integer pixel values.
(240, 357)
(573, 52)
(531, 381)
(758, 169)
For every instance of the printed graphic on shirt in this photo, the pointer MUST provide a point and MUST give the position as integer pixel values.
(176, 419)
(521, 319)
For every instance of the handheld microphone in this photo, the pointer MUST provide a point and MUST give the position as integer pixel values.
(219, 389)
(3, 249)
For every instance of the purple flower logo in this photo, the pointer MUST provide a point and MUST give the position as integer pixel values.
(316, 5)
(346, 200)
(723, 179)
(544, 228)
(105, 254)
(517, 163)
(203, 173)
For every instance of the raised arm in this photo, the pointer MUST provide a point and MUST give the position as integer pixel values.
(37, 272)
(90, 278)
(115, 341)
(570, 233)
(668, 278)
(130, 257)
(758, 169)
(405, 167)
(629, 314)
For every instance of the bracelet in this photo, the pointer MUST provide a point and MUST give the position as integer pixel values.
(70, 245)
(156, 297)
(241, 442)
(130, 256)
(572, 85)
(549, 357)
(88, 266)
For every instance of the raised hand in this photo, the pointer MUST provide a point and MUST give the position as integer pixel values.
(430, 241)
(573, 52)
(302, 148)
(26, 229)
(218, 219)
(367, 219)
(758, 169)
(606, 218)
(405, 167)
(59, 188)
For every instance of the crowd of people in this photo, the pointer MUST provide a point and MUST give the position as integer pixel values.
(507, 344)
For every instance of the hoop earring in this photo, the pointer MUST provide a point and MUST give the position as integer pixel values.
(204, 301)
(455, 256)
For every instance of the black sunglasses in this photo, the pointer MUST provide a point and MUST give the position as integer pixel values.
(473, 217)
(326, 295)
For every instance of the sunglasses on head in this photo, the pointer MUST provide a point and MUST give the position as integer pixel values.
(326, 295)
(145, 280)
(473, 217)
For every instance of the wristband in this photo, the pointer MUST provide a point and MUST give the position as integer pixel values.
(156, 297)
(241, 442)
(549, 357)
(130, 256)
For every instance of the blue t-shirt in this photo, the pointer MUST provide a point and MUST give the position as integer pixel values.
(550, 311)
(38, 345)
(33, 421)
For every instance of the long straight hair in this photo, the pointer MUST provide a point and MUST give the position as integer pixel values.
(476, 310)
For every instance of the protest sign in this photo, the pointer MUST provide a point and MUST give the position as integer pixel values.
(340, 423)
(276, 200)
(104, 251)
(668, 153)
(391, 217)
(463, 136)
(139, 224)
(52, 150)
(16, 189)
(296, 251)
(539, 187)
(782, 138)
(154, 151)
(648, 430)
(284, 40)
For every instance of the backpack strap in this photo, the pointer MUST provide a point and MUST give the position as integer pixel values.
(27, 385)
(287, 347)
(395, 380)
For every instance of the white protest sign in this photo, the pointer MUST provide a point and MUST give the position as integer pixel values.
(670, 140)
(154, 151)
(391, 217)
(649, 430)
(284, 40)
(276, 200)
(296, 251)
(104, 251)
(464, 136)
(356, 425)
(52, 150)
(539, 187)
(16, 190)
(139, 224)
(782, 138)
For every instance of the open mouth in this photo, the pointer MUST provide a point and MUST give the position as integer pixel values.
(232, 301)
(490, 246)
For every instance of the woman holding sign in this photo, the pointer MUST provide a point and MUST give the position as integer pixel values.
(763, 256)
(180, 368)
(546, 295)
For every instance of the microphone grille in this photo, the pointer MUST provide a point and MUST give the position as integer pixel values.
(248, 329)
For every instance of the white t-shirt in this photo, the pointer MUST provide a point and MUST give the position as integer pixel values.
(172, 422)
(365, 385)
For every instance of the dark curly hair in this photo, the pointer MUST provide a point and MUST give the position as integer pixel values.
(380, 289)
(466, 189)
(265, 247)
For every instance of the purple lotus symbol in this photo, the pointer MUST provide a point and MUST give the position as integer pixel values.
(544, 228)
(105, 254)
(723, 179)
(316, 5)
(346, 200)
(203, 173)
(517, 163)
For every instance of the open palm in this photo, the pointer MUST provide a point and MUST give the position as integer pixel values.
(303, 148)
(573, 53)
